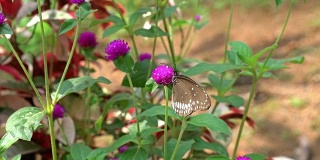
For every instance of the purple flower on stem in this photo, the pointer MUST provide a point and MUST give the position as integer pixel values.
(116, 48)
(243, 158)
(123, 148)
(58, 111)
(2, 18)
(145, 56)
(163, 75)
(77, 1)
(87, 39)
(198, 18)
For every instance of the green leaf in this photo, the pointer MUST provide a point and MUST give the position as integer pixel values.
(97, 154)
(124, 63)
(134, 153)
(84, 11)
(113, 29)
(278, 3)
(115, 19)
(183, 148)
(136, 15)
(149, 131)
(222, 86)
(276, 64)
(79, 151)
(6, 141)
(211, 122)
(234, 100)
(5, 29)
(116, 98)
(151, 85)
(151, 32)
(201, 145)
(74, 85)
(259, 54)
(200, 25)
(244, 52)
(255, 156)
(85, 5)
(121, 141)
(218, 157)
(67, 25)
(233, 57)
(159, 110)
(204, 67)
(139, 74)
(24, 121)
(16, 157)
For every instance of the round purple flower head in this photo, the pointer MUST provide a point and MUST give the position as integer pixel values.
(198, 18)
(58, 111)
(2, 18)
(77, 1)
(116, 48)
(163, 75)
(243, 158)
(87, 39)
(145, 56)
(123, 148)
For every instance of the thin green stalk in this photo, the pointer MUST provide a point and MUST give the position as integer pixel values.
(129, 30)
(165, 150)
(26, 73)
(135, 104)
(244, 117)
(69, 59)
(44, 52)
(169, 38)
(228, 32)
(278, 39)
(183, 127)
(52, 136)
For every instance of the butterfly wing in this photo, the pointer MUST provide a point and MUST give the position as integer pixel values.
(188, 96)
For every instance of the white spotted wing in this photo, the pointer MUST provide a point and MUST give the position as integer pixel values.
(188, 96)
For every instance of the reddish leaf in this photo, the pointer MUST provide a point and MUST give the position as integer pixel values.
(9, 8)
(236, 114)
(11, 70)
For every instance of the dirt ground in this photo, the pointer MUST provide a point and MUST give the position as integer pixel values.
(286, 108)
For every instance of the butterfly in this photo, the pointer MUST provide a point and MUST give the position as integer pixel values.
(188, 96)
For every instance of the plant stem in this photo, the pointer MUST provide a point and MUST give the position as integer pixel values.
(135, 104)
(244, 117)
(26, 73)
(165, 150)
(278, 39)
(183, 127)
(45, 63)
(169, 37)
(69, 59)
(228, 32)
(52, 137)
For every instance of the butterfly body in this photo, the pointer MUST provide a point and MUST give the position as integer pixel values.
(188, 96)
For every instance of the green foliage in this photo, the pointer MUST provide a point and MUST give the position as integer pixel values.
(211, 122)
(124, 63)
(74, 85)
(5, 29)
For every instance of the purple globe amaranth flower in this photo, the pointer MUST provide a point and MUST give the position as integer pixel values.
(58, 111)
(2, 18)
(243, 158)
(198, 18)
(116, 48)
(123, 148)
(144, 56)
(77, 1)
(163, 75)
(87, 39)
